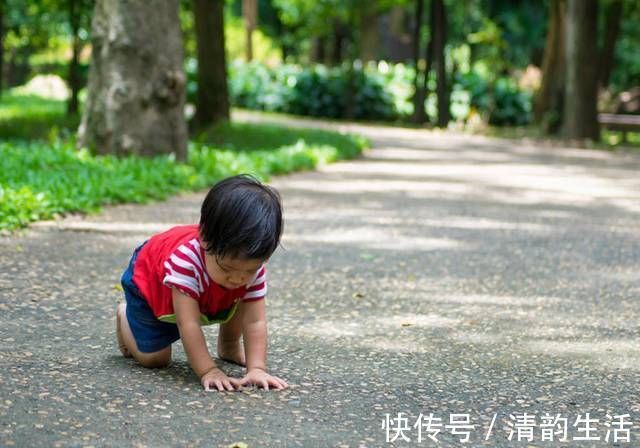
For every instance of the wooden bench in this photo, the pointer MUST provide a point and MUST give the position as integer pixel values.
(620, 122)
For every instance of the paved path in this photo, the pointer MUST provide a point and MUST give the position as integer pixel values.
(437, 274)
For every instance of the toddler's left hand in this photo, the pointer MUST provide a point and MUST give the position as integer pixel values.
(262, 379)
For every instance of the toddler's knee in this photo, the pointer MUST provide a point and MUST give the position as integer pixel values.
(154, 363)
(156, 360)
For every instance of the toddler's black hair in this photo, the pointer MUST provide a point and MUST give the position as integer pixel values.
(241, 218)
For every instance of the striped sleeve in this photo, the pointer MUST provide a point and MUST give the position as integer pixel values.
(257, 288)
(184, 271)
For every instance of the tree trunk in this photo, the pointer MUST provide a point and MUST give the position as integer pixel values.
(2, 2)
(74, 66)
(318, 53)
(250, 14)
(439, 39)
(549, 100)
(283, 37)
(368, 34)
(581, 85)
(289, 49)
(212, 100)
(427, 72)
(419, 92)
(352, 52)
(607, 54)
(339, 34)
(135, 102)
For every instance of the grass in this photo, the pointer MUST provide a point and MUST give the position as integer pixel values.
(33, 117)
(43, 178)
(248, 137)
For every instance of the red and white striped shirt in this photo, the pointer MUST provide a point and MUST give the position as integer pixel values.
(175, 259)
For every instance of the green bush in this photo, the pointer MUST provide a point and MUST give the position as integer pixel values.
(512, 106)
(502, 103)
(255, 86)
(381, 92)
(316, 91)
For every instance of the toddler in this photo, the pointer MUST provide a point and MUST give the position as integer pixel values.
(203, 274)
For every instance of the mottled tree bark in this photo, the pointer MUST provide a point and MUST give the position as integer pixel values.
(549, 100)
(212, 100)
(136, 92)
(581, 84)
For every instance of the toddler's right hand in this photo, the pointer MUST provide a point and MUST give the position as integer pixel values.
(217, 378)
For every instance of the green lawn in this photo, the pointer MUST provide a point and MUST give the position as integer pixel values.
(44, 177)
(32, 117)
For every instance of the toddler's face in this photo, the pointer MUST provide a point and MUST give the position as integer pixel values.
(232, 272)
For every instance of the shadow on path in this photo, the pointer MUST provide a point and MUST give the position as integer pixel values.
(438, 273)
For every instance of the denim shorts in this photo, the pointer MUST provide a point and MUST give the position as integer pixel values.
(151, 334)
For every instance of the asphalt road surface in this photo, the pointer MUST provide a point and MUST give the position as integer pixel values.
(441, 287)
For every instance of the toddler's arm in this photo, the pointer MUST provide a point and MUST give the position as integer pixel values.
(188, 318)
(254, 335)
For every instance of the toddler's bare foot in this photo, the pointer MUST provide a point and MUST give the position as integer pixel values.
(120, 313)
(232, 352)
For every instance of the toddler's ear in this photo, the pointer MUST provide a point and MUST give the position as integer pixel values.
(203, 243)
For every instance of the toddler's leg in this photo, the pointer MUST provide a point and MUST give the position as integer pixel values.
(121, 345)
(158, 359)
(230, 347)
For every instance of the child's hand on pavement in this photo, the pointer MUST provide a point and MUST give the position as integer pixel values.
(262, 379)
(216, 379)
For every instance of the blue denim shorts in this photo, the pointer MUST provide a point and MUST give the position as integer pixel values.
(151, 334)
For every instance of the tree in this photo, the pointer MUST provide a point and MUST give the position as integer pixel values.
(250, 14)
(307, 19)
(2, 6)
(28, 28)
(352, 50)
(368, 33)
(339, 37)
(419, 115)
(549, 100)
(136, 92)
(607, 53)
(212, 99)
(79, 12)
(581, 82)
(439, 30)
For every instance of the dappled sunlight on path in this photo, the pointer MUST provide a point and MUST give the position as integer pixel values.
(438, 273)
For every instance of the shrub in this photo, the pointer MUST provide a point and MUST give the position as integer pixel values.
(381, 92)
(316, 91)
(512, 106)
(502, 103)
